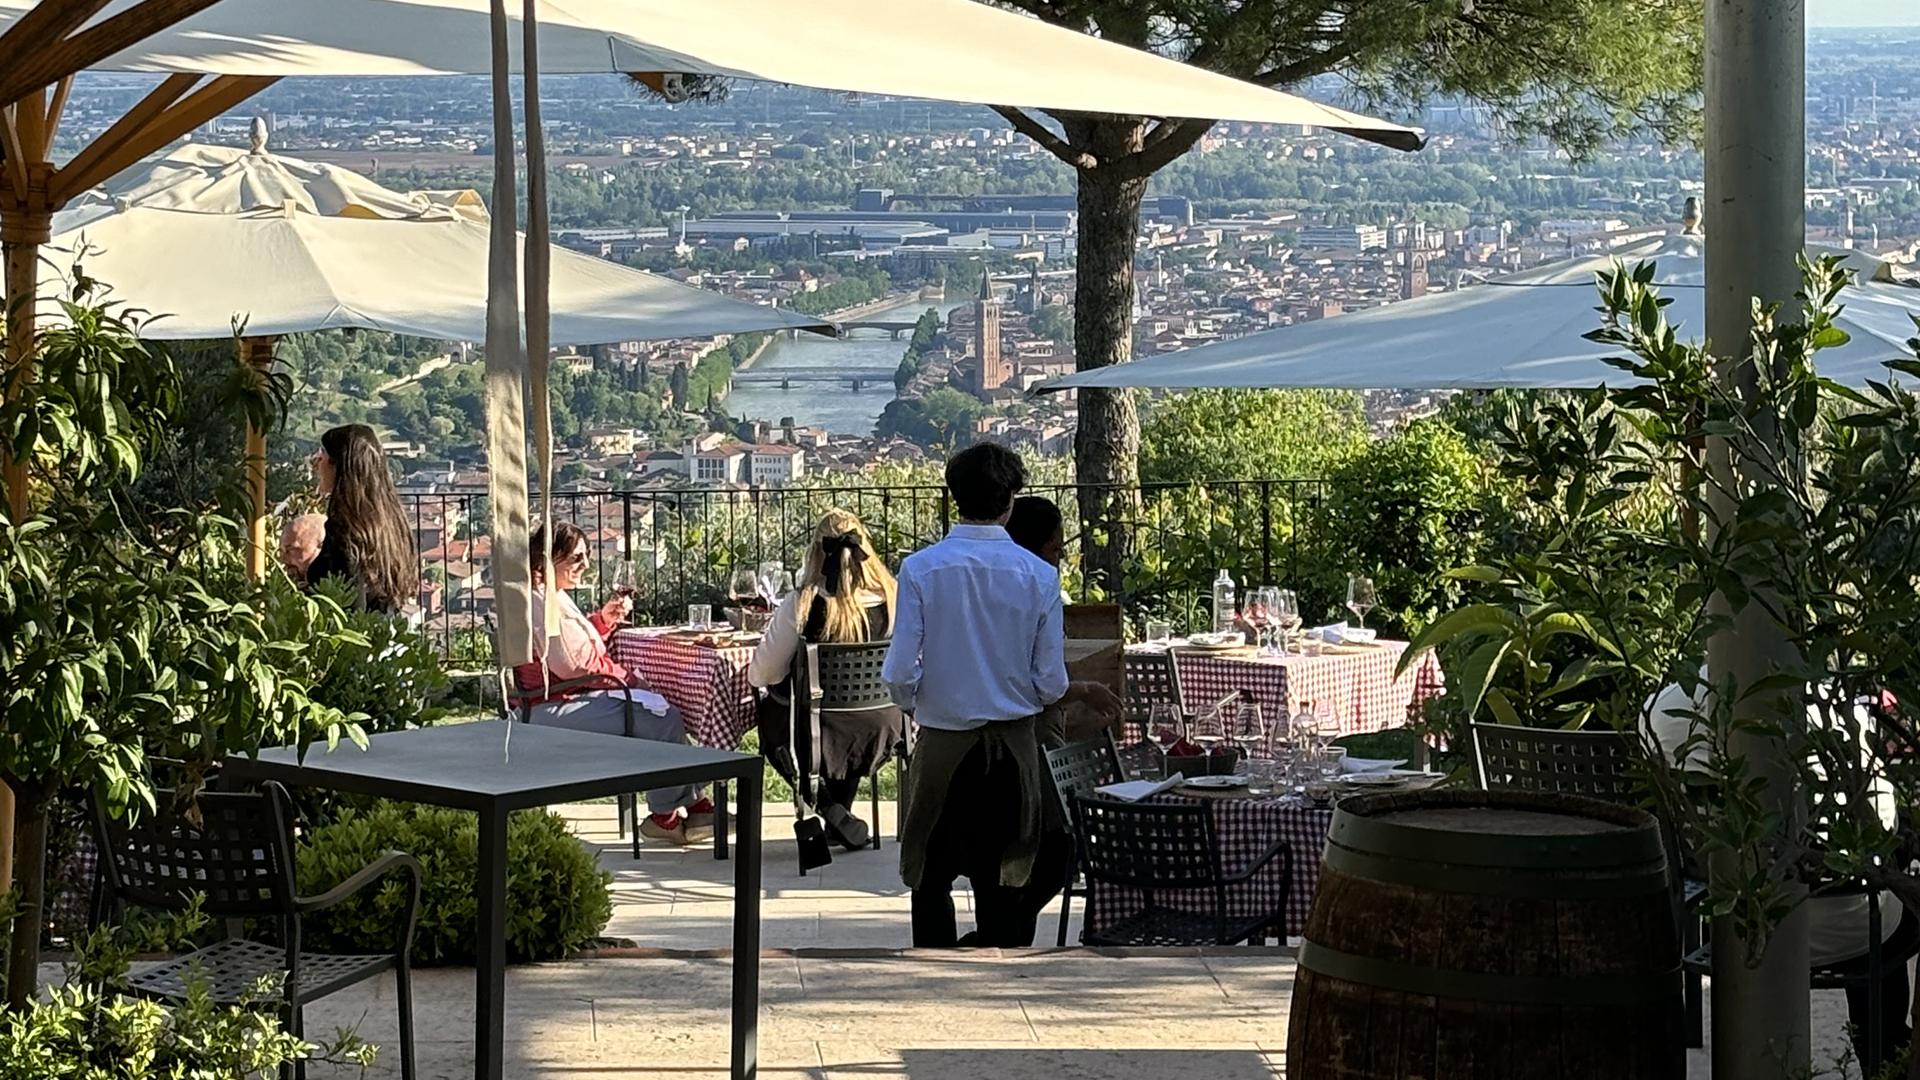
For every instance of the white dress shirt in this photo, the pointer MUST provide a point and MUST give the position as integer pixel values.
(978, 632)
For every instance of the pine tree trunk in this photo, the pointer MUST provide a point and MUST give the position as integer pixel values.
(1106, 448)
(30, 883)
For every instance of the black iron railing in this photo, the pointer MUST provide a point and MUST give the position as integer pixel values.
(684, 544)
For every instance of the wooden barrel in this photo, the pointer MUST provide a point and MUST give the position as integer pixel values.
(1491, 936)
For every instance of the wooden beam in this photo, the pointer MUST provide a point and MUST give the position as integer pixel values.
(51, 59)
(45, 25)
(54, 109)
(11, 145)
(30, 120)
(125, 129)
(202, 105)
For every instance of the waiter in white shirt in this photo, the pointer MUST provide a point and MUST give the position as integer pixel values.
(978, 652)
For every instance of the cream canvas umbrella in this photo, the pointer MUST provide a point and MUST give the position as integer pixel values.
(1521, 331)
(281, 246)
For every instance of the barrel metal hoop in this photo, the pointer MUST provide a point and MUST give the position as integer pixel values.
(1585, 991)
(1622, 847)
(1520, 884)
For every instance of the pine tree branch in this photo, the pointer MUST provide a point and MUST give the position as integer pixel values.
(1306, 67)
(1051, 143)
(1168, 140)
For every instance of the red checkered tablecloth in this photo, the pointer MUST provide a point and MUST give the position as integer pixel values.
(1366, 696)
(707, 684)
(1244, 827)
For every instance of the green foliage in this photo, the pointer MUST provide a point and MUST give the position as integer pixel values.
(926, 331)
(557, 896)
(1405, 510)
(942, 418)
(126, 626)
(1054, 323)
(89, 1029)
(1204, 435)
(1806, 495)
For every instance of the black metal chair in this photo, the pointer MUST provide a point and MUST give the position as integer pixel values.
(1147, 679)
(1154, 848)
(1078, 769)
(1598, 765)
(238, 858)
(833, 678)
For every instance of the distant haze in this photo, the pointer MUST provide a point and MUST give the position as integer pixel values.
(1863, 12)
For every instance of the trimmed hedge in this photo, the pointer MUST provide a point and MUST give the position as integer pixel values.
(558, 899)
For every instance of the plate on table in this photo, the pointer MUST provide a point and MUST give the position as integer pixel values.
(1217, 642)
(1216, 783)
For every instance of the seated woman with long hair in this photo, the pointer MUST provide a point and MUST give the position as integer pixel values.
(845, 594)
(577, 649)
(367, 543)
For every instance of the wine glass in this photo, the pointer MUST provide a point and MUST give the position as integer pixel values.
(768, 577)
(1360, 597)
(1259, 615)
(624, 585)
(1249, 727)
(744, 588)
(1209, 728)
(1165, 725)
(1286, 615)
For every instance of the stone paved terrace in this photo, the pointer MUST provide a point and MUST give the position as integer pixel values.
(843, 998)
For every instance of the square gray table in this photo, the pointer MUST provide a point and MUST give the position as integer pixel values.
(477, 767)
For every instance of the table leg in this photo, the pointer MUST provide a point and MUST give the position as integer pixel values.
(746, 932)
(490, 959)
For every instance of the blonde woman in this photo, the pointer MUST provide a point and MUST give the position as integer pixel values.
(845, 594)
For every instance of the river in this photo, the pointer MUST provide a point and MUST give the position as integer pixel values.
(833, 406)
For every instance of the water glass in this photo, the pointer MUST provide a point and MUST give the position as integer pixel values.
(1263, 776)
(699, 616)
(1164, 725)
(1159, 632)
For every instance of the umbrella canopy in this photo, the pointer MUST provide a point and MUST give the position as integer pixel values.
(1519, 331)
(282, 245)
(950, 50)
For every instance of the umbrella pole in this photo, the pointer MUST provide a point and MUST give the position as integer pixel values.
(26, 222)
(1755, 178)
(257, 352)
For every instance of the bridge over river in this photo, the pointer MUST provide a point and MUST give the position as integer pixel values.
(787, 377)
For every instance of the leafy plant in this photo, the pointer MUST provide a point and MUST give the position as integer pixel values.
(119, 631)
(557, 896)
(1673, 511)
(89, 1028)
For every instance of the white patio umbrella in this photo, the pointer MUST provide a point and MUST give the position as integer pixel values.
(211, 237)
(210, 241)
(1519, 331)
(950, 50)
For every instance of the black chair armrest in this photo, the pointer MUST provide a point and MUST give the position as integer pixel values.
(560, 686)
(367, 875)
(1279, 848)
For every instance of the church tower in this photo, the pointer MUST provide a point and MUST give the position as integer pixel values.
(990, 368)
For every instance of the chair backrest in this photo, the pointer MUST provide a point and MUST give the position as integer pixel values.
(1597, 764)
(1079, 768)
(1152, 679)
(846, 677)
(1093, 621)
(1146, 845)
(237, 856)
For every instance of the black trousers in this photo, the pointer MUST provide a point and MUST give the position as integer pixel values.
(1895, 1029)
(978, 823)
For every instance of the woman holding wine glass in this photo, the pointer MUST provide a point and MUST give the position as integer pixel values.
(845, 594)
(577, 649)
